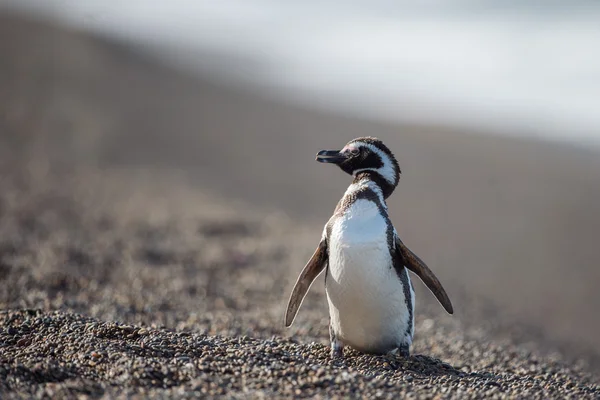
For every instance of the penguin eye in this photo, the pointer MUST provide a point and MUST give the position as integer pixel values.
(355, 151)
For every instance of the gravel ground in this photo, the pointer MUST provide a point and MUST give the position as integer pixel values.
(68, 354)
(198, 293)
(124, 281)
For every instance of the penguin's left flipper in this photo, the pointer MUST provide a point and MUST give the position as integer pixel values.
(414, 263)
(313, 268)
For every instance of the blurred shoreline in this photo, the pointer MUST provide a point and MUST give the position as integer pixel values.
(512, 69)
(513, 221)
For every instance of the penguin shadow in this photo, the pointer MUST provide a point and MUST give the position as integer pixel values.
(422, 366)
(416, 365)
(426, 366)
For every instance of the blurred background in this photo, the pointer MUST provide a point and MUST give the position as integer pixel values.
(491, 108)
(504, 66)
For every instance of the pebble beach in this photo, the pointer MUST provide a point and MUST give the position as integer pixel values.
(132, 265)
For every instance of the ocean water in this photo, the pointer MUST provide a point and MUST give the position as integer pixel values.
(512, 67)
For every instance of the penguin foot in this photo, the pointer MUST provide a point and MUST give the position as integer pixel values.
(337, 353)
(403, 350)
(337, 347)
(400, 351)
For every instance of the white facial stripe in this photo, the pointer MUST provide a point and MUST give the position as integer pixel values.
(387, 171)
(349, 148)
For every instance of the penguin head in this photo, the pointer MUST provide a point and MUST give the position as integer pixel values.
(365, 154)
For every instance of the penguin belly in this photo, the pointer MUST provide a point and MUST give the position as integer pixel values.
(366, 297)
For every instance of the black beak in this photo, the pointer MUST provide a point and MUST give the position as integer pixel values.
(331, 157)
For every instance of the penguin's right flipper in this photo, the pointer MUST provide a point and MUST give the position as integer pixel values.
(313, 268)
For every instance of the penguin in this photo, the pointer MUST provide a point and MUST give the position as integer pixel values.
(369, 292)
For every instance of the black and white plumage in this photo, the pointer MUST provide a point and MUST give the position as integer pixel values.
(370, 296)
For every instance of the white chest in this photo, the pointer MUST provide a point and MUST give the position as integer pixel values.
(366, 298)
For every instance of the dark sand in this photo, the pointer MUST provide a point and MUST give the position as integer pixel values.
(152, 224)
